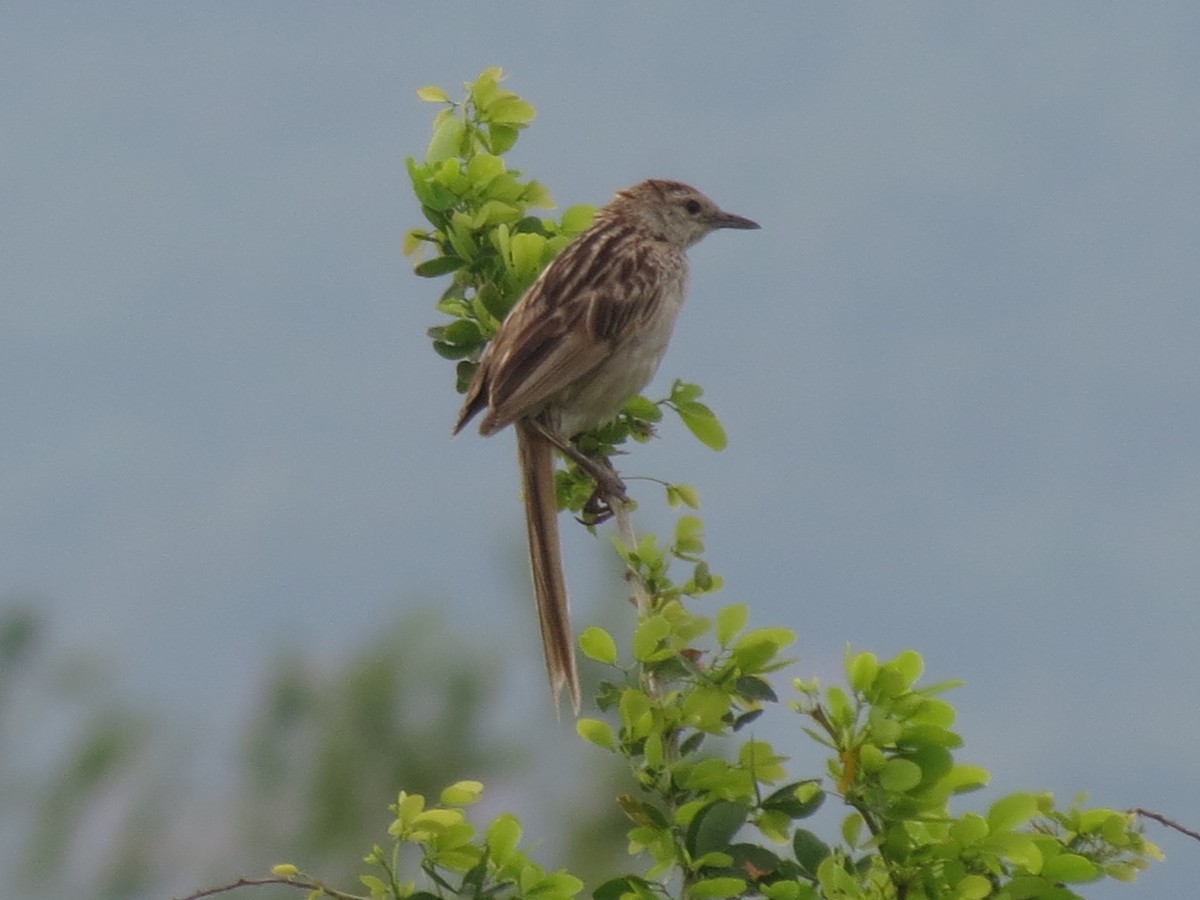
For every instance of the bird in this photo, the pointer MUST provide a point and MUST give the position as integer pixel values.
(587, 335)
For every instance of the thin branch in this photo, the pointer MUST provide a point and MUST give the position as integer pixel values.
(290, 882)
(625, 528)
(1169, 823)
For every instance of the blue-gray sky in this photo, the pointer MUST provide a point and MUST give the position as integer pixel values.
(958, 365)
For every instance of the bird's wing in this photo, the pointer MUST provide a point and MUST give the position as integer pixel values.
(526, 373)
(585, 303)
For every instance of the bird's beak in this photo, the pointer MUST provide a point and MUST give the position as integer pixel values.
(729, 220)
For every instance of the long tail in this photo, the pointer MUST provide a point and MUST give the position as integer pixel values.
(536, 457)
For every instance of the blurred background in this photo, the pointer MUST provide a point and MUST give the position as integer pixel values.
(249, 588)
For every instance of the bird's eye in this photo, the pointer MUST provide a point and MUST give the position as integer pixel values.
(692, 206)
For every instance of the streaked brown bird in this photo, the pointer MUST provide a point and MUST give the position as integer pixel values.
(587, 335)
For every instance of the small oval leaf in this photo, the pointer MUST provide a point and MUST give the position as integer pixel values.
(713, 827)
(810, 851)
(599, 645)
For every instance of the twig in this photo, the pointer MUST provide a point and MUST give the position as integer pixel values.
(641, 597)
(291, 882)
(625, 528)
(1169, 823)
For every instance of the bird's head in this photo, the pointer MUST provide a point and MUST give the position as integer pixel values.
(674, 212)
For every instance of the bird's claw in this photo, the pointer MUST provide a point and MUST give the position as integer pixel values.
(610, 489)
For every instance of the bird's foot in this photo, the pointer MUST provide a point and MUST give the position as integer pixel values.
(596, 511)
(610, 490)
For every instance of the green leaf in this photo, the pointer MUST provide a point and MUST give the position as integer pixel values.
(374, 885)
(900, 775)
(556, 886)
(788, 890)
(713, 827)
(537, 194)
(703, 581)
(596, 731)
(413, 239)
(798, 801)
(526, 254)
(934, 761)
(862, 671)
(599, 645)
(934, 712)
(752, 687)
(928, 735)
(774, 826)
(461, 233)
(435, 199)
(486, 86)
(683, 493)
(972, 887)
(506, 187)
(810, 851)
(909, 664)
(871, 759)
(511, 111)
(712, 888)
(616, 888)
(453, 306)
(462, 793)
(503, 835)
(652, 750)
(689, 533)
(453, 351)
(751, 857)
(840, 711)
(890, 684)
(755, 649)
(408, 807)
(692, 744)
(705, 707)
(683, 392)
(730, 620)
(1012, 811)
(634, 710)
(501, 138)
(1071, 868)
(760, 758)
(1125, 872)
(431, 93)
(961, 779)
(491, 305)
(642, 813)
(647, 637)
(704, 425)
(441, 265)
(639, 407)
(715, 776)
(1018, 848)
(852, 827)
(447, 140)
(494, 212)
(484, 168)
(461, 331)
(577, 218)
(1108, 821)
(463, 373)
(970, 829)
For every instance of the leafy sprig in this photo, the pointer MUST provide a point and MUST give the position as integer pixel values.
(483, 234)
(714, 811)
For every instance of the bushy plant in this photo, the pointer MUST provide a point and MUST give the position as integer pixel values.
(714, 811)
